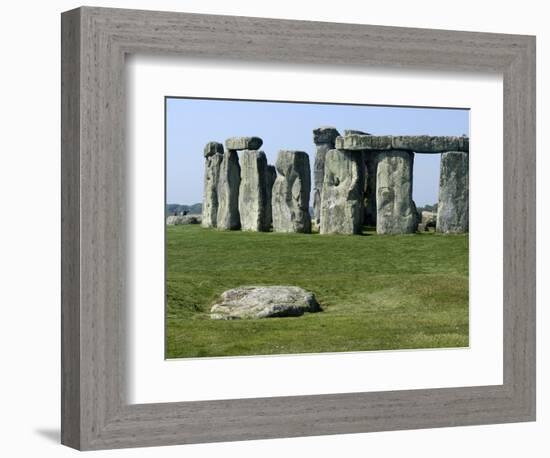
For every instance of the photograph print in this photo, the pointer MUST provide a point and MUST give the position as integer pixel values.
(300, 228)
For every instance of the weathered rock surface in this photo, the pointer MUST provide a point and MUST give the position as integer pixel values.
(213, 154)
(342, 194)
(354, 132)
(253, 302)
(396, 212)
(414, 143)
(253, 191)
(430, 144)
(371, 164)
(325, 135)
(362, 142)
(290, 199)
(229, 181)
(177, 220)
(453, 207)
(242, 143)
(428, 219)
(324, 138)
(271, 175)
(212, 148)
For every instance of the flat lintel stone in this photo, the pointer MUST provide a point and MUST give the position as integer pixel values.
(354, 132)
(212, 148)
(430, 144)
(325, 135)
(364, 142)
(242, 143)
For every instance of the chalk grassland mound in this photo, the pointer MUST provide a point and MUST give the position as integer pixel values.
(377, 292)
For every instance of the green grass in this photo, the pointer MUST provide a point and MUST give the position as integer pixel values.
(377, 292)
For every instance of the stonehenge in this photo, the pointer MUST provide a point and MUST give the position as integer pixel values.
(342, 193)
(394, 158)
(453, 206)
(253, 191)
(213, 154)
(359, 180)
(324, 138)
(290, 194)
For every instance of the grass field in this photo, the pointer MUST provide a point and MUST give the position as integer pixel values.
(377, 292)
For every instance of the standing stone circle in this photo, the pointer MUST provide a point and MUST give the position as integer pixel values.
(253, 191)
(342, 194)
(213, 154)
(324, 138)
(228, 217)
(271, 176)
(396, 212)
(453, 207)
(291, 190)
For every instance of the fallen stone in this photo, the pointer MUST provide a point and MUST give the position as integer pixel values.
(396, 212)
(291, 190)
(213, 153)
(254, 302)
(430, 144)
(342, 194)
(324, 138)
(242, 143)
(253, 191)
(228, 217)
(453, 207)
(364, 142)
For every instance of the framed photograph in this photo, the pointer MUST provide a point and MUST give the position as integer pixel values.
(277, 228)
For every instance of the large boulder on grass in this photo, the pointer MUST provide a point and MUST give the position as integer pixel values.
(254, 302)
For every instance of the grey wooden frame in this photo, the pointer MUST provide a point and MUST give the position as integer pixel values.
(95, 413)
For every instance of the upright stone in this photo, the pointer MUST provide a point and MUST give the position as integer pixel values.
(371, 165)
(324, 138)
(271, 174)
(342, 194)
(228, 192)
(290, 200)
(396, 212)
(453, 207)
(253, 191)
(213, 154)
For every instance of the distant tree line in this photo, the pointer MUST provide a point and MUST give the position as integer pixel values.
(176, 209)
(428, 208)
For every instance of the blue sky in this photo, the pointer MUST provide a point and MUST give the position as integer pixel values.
(191, 123)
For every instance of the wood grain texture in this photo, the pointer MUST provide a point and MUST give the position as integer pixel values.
(70, 229)
(95, 412)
